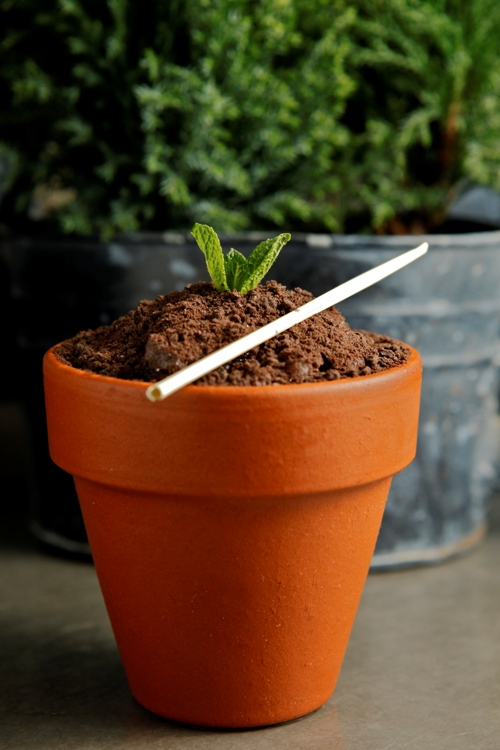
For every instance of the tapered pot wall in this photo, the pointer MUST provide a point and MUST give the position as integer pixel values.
(240, 614)
(232, 529)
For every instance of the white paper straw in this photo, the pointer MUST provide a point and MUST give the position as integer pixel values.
(163, 388)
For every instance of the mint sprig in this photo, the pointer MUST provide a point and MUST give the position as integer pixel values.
(233, 271)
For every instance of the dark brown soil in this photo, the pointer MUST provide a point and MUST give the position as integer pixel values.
(168, 333)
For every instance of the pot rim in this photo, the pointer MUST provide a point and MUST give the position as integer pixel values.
(230, 432)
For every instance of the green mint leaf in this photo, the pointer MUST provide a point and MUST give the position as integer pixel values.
(235, 264)
(209, 244)
(233, 271)
(261, 260)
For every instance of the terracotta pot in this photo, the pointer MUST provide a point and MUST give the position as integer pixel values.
(232, 529)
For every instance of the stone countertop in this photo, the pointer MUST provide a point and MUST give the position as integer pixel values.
(422, 669)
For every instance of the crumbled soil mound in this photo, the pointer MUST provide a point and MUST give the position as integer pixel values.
(163, 335)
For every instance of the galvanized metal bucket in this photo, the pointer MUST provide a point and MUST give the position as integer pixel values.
(447, 305)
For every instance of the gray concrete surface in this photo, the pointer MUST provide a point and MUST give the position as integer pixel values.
(422, 669)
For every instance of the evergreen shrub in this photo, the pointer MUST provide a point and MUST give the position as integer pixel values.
(318, 115)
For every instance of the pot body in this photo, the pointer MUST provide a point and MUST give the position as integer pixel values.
(446, 304)
(232, 529)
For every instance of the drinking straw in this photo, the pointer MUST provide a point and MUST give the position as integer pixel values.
(163, 388)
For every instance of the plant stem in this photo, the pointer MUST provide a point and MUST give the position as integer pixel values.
(448, 153)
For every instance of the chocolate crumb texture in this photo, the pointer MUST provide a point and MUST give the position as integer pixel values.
(163, 335)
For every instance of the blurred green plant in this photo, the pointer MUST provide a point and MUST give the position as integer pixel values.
(160, 114)
(425, 115)
(321, 115)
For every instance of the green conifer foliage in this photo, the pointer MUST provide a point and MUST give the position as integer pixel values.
(426, 108)
(321, 115)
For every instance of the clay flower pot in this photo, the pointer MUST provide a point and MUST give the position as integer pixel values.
(232, 529)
